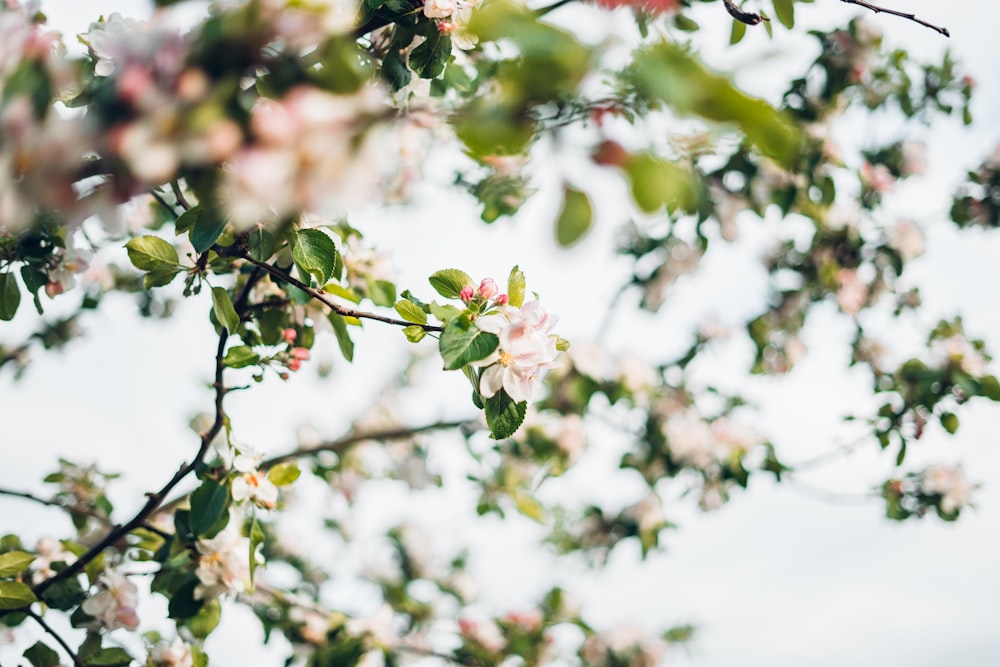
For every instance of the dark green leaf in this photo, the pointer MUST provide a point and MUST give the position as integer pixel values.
(40, 655)
(503, 415)
(575, 217)
(256, 539)
(10, 296)
(65, 594)
(394, 71)
(449, 282)
(462, 342)
(314, 253)
(34, 280)
(428, 59)
(224, 311)
(183, 603)
(207, 228)
(260, 243)
(209, 508)
(186, 220)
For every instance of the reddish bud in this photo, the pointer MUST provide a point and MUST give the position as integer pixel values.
(300, 353)
(502, 300)
(467, 293)
(488, 289)
(289, 335)
(611, 154)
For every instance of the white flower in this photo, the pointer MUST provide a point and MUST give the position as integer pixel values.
(379, 628)
(526, 350)
(906, 239)
(108, 40)
(914, 158)
(115, 602)
(485, 633)
(69, 262)
(690, 439)
(950, 484)
(957, 349)
(439, 9)
(176, 654)
(48, 551)
(852, 292)
(223, 563)
(252, 484)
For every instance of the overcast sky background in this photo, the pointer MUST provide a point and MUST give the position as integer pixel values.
(777, 578)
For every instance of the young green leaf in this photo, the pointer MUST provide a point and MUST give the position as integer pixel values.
(785, 11)
(410, 311)
(516, 285)
(149, 253)
(14, 562)
(284, 473)
(209, 508)
(575, 218)
(224, 311)
(739, 31)
(414, 334)
(449, 282)
(339, 324)
(240, 357)
(14, 595)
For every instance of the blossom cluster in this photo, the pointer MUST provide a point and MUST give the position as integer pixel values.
(526, 349)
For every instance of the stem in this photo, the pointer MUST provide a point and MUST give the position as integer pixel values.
(894, 12)
(318, 294)
(743, 17)
(55, 635)
(542, 11)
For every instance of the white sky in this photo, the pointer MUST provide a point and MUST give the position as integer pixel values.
(775, 579)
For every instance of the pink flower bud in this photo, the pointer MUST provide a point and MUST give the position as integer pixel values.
(300, 353)
(289, 335)
(488, 289)
(502, 300)
(467, 293)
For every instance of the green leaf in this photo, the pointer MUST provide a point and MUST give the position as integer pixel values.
(315, 253)
(150, 253)
(575, 218)
(990, 387)
(10, 296)
(160, 277)
(240, 357)
(785, 11)
(207, 229)
(428, 59)
(949, 421)
(463, 342)
(344, 341)
(65, 594)
(394, 71)
(206, 620)
(410, 311)
(34, 280)
(668, 73)
(260, 243)
(414, 334)
(381, 292)
(503, 415)
(224, 311)
(449, 282)
(14, 595)
(284, 473)
(209, 508)
(40, 655)
(14, 562)
(183, 603)
(516, 285)
(657, 183)
(739, 31)
(109, 657)
(256, 539)
(185, 221)
(445, 313)
(685, 23)
(528, 505)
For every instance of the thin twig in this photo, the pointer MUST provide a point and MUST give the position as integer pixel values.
(743, 17)
(825, 496)
(894, 12)
(55, 635)
(542, 11)
(179, 196)
(30, 496)
(320, 295)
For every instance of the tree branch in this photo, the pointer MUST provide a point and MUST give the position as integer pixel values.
(317, 294)
(743, 17)
(55, 635)
(542, 11)
(905, 15)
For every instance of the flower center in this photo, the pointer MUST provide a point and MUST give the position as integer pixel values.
(506, 359)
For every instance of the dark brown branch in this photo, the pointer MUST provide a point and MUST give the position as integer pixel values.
(55, 635)
(743, 17)
(340, 445)
(153, 500)
(905, 15)
(542, 11)
(318, 294)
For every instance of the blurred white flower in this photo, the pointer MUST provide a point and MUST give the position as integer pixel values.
(114, 604)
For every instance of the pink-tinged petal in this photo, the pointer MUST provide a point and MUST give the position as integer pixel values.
(493, 323)
(518, 385)
(489, 360)
(491, 381)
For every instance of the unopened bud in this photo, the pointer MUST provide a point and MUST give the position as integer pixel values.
(488, 289)
(467, 293)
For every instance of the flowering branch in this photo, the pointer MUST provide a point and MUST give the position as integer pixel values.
(55, 635)
(318, 294)
(894, 12)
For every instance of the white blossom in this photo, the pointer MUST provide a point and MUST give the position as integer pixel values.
(114, 604)
(950, 483)
(526, 350)
(252, 484)
(174, 654)
(223, 562)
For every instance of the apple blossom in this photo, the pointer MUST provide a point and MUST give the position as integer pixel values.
(177, 653)
(949, 483)
(223, 562)
(114, 604)
(252, 484)
(526, 350)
